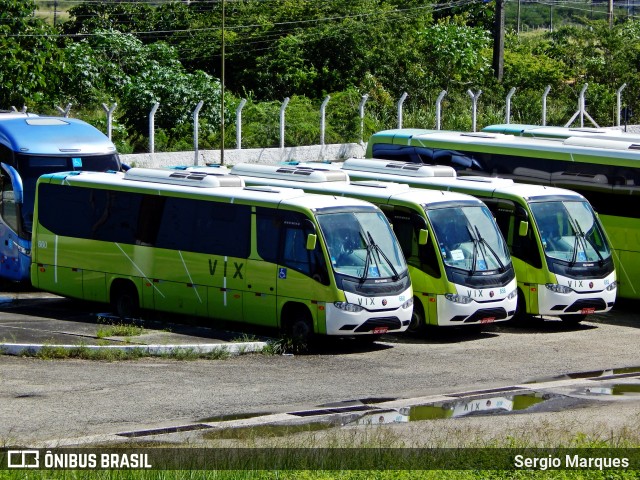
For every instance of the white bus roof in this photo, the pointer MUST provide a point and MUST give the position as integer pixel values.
(140, 179)
(389, 170)
(576, 145)
(325, 180)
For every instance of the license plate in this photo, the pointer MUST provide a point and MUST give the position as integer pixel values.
(380, 330)
(488, 320)
(586, 311)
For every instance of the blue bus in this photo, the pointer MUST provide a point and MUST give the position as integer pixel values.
(31, 146)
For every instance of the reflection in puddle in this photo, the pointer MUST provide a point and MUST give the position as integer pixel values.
(619, 389)
(625, 371)
(454, 409)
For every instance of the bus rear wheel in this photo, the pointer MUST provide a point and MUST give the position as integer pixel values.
(124, 300)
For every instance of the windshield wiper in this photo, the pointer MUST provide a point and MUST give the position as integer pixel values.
(371, 246)
(475, 250)
(479, 239)
(585, 240)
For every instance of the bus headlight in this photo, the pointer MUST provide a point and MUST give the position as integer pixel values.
(348, 307)
(513, 294)
(454, 297)
(613, 285)
(408, 303)
(558, 288)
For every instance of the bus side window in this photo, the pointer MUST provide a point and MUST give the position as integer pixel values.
(282, 238)
(525, 247)
(295, 254)
(9, 207)
(151, 209)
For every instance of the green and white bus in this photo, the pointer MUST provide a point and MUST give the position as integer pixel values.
(206, 245)
(560, 252)
(460, 267)
(562, 133)
(605, 172)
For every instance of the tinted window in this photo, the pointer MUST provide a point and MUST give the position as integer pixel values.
(134, 218)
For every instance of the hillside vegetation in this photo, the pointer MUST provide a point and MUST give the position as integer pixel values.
(134, 54)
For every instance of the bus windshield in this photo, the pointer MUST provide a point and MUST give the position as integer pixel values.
(362, 245)
(570, 232)
(468, 238)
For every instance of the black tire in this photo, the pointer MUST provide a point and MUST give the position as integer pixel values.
(417, 324)
(299, 329)
(521, 317)
(125, 300)
(572, 319)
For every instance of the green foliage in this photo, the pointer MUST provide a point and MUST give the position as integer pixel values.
(138, 53)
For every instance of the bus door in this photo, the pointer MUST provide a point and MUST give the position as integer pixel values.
(525, 254)
(14, 251)
(302, 272)
(261, 269)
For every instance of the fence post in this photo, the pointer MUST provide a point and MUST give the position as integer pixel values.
(508, 113)
(323, 109)
(618, 97)
(474, 111)
(544, 105)
(400, 103)
(152, 127)
(439, 108)
(243, 102)
(24, 109)
(196, 112)
(65, 111)
(363, 100)
(109, 112)
(282, 109)
(581, 110)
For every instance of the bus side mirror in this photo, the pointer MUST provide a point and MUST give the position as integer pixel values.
(312, 238)
(423, 236)
(523, 228)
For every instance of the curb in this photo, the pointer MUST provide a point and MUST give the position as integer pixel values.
(152, 350)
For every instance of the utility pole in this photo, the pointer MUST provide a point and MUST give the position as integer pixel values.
(222, 93)
(498, 41)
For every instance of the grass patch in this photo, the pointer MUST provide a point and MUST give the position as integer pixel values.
(118, 328)
(83, 352)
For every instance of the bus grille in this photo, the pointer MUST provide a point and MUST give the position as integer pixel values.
(391, 323)
(495, 313)
(595, 303)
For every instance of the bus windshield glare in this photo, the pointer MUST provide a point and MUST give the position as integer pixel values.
(570, 232)
(362, 245)
(469, 239)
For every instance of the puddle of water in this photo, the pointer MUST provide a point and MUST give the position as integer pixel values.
(233, 416)
(461, 408)
(619, 389)
(594, 374)
(262, 431)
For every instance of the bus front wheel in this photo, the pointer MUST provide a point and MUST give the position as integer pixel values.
(417, 324)
(124, 300)
(572, 319)
(299, 327)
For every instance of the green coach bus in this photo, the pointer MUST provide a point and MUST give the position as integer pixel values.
(207, 245)
(605, 172)
(560, 252)
(460, 267)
